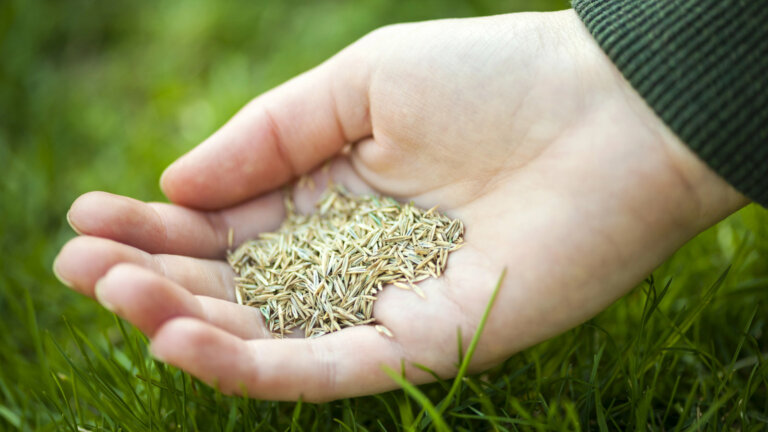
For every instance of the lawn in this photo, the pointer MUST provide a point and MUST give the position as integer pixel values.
(104, 95)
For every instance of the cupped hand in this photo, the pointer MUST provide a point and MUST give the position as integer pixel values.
(517, 124)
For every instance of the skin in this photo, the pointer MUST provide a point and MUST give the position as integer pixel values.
(517, 124)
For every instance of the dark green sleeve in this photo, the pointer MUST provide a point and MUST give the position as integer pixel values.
(702, 65)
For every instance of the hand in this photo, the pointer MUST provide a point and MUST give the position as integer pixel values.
(517, 124)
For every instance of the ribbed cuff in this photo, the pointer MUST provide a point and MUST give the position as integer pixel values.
(702, 65)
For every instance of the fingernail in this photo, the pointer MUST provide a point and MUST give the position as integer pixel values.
(58, 275)
(163, 176)
(71, 224)
(99, 292)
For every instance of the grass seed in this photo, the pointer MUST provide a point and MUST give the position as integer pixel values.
(321, 272)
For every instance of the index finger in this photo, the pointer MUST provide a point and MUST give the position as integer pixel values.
(279, 135)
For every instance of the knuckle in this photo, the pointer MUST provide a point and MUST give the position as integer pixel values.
(327, 385)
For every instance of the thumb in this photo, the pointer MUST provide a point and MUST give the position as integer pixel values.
(277, 136)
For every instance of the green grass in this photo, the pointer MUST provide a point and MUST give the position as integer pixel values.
(103, 95)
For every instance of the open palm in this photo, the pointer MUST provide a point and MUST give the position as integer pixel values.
(517, 124)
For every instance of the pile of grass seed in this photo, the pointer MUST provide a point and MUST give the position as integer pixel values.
(321, 272)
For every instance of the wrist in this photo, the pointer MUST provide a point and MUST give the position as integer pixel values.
(712, 197)
(698, 197)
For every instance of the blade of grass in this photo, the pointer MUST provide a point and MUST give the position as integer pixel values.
(525, 414)
(731, 367)
(688, 404)
(342, 424)
(73, 424)
(10, 416)
(485, 401)
(421, 398)
(92, 381)
(572, 416)
(434, 375)
(704, 419)
(671, 399)
(382, 400)
(232, 418)
(498, 419)
(679, 329)
(406, 413)
(471, 349)
(599, 409)
(593, 387)
(295, 427)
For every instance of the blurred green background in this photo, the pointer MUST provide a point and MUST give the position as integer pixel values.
(103, 95)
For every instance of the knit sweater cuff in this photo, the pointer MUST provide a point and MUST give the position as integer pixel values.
(702, 65)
